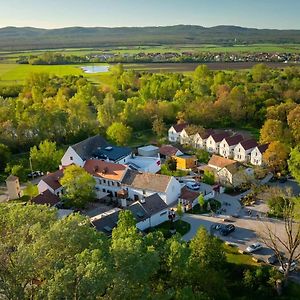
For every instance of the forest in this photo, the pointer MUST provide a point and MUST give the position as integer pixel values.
(65, 110)
(46, 258)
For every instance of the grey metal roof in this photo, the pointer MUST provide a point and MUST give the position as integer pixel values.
(86, 147)
(113, 153)
(97, 146)
(154, 204)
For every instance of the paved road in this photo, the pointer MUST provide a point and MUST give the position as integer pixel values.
(248, 227)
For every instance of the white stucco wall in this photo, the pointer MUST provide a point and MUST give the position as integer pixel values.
(256, 157)
(173, 136)
(71, 157)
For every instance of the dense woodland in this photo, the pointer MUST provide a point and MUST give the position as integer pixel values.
(46, 258)
(12, 38)
(69, 109)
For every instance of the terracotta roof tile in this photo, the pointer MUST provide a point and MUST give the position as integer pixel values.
(168, 150)
(188, 195)
(220, 161)
(52, 179)
(104, 169)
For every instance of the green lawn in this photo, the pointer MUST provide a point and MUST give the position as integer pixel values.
(15, 73)
(234, 257)
(180, 226)
(214, 206)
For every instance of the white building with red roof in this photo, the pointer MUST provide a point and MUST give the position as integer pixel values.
(175, 131)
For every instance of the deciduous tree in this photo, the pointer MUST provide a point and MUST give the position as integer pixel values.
(119, 133)
(79, 186)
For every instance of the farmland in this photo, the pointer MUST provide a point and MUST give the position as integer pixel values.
(12, 73)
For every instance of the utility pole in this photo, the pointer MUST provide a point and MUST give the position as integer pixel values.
(30, 163)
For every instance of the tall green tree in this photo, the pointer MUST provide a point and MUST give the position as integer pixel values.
(78, 185)
(5, 155)
(119, 133)
(294, 163)
(45, 157)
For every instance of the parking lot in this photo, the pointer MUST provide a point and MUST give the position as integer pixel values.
(250, 225)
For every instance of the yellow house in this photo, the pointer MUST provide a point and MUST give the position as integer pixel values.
(185, 162)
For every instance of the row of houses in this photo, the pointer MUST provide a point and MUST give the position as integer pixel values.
(224, 143)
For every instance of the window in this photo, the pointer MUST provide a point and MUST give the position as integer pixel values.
(71, 157)
(108, 183)
(99, 181)
(112, 183)
(104, 181)
(104, 190)
(144, 192)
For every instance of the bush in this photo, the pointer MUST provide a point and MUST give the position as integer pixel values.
(208, 177)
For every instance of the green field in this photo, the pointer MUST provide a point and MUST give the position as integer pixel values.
(14, 73)
(295, 48)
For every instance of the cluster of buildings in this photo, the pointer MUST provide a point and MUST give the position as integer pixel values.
(131, 181)
(223, 143)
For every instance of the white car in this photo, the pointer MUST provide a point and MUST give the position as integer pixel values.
(293, 266)
(254, 247)
(193, 185)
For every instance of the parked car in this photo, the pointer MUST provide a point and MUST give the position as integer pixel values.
(254, 247)
(293, 267)
(227, 229)
(193, 185)
(35, 174)
(273, 259)
(282, 179)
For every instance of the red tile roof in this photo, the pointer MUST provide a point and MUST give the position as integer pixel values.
(52, 179)
(180, 127)
(46, 197)
(220, 161)
(188, 195)
(168, 150)
(104, 169)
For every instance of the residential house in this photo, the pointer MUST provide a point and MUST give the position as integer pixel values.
(185, 162)
(46, 198)
(257, 154)
(199, 139)
(149, 212)
(242, 151)
(108, 176)
(214, 140)
(167, 151)
(51, 182)
(218, 162)
(228, 144)
(188, 198)
(142, 185)
(174, 132)
(234, 175)
(95, 147)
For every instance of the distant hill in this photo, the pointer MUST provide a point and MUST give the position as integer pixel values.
(13, 38)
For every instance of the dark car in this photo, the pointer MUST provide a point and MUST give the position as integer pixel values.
(227, 229)
(282, 179)
(273, 259)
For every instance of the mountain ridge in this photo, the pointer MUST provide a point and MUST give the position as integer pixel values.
(24, 38)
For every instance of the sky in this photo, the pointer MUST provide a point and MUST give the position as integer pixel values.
(279, 14)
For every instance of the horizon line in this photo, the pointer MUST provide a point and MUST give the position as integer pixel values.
(147, 26)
